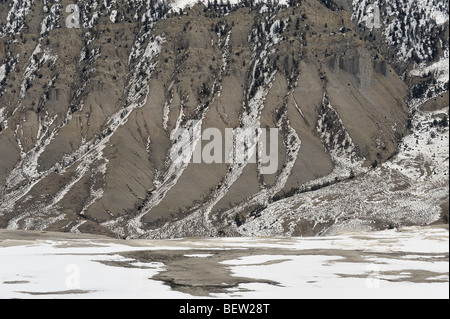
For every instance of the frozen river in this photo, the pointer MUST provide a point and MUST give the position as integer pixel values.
(411, 263)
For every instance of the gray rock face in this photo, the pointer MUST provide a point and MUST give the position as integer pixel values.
(87, 114)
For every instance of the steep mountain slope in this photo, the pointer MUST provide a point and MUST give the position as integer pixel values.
(88, 115)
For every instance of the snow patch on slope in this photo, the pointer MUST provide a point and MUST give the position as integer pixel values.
(15, 20)
(406, 24)
(176, 5)
(440, 69)
(424, 154)
(2, 73)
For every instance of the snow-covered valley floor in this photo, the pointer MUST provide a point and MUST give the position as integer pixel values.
(410, 263)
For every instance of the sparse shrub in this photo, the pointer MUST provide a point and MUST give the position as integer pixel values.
(375, 164)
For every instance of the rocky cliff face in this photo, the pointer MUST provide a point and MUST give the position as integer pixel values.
(88, 113)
